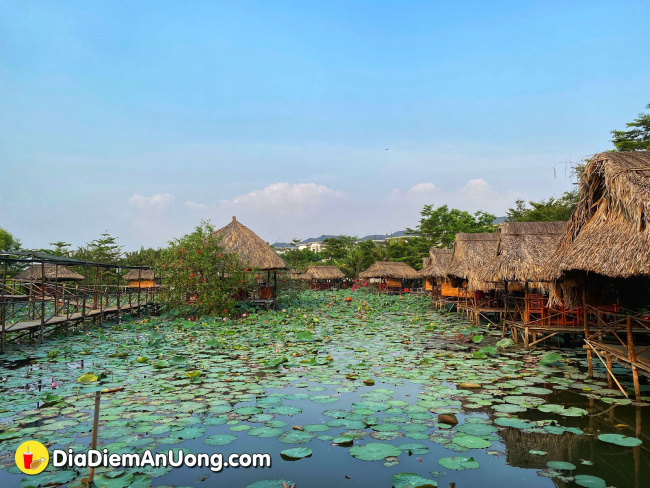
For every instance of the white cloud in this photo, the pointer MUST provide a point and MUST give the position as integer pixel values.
(282, 211)
(159, 201)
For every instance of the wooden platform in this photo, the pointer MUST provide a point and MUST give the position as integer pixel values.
(28, 326)
(620, 354)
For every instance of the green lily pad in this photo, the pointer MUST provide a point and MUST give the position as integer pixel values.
(458, 463)
(220, 439)
(374, 451)
(620, 440)
(471, 442)
(296, 452)
(412, 480)
(589, 481)
(561, 465)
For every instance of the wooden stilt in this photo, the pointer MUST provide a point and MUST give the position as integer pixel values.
(590, 362)
(526, 332)
(610, 374)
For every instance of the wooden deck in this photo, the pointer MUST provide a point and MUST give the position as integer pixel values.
(52, 322)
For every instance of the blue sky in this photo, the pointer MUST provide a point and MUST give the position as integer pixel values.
(301, 118)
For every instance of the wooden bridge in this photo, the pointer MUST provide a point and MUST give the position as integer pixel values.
(50, 296)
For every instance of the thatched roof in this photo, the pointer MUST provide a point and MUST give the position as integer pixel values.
(471, 252)
(439, 260)
(608, 232)
(523, 249)
(140, 274)
(53, 272)
(389, 269)
(323, 273)
(253, 252)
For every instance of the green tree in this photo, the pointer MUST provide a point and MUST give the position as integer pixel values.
(551, 210)
(8, 242)
(104, 249)
(59, 248)
(338, 247)
(438, 227)
(198, 271)
(300, 259)
(142, 257)
(637, 138)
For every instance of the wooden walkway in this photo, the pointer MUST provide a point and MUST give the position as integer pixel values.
(32, 326)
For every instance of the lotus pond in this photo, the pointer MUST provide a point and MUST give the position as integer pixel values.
(379, 392)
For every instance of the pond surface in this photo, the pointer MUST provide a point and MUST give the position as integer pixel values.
(383, 377)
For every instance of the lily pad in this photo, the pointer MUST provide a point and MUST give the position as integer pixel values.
(374, 451)
(458, 463)
(296, 452)
(620, 440)
(412, 480)
(220, 439)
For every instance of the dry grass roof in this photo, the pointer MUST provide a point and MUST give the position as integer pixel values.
(523, 250)
(471, 252)
(389, 269)
(140, 274)
(323, 273)
(439, 260)
(53, 272)
(608, 232)
(253, 252)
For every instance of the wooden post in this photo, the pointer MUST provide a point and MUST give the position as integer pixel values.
(505, 309)
(118, 295)
(610, 373)
(93, 442)
(585, 314)
(526, 304)
(590, 362)
(42, 301)
(139, 288)
(631, 355)
(3, 306)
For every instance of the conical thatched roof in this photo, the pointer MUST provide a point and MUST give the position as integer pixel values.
(323, 273)
(523, 250)
(439, 260)
(471, 252)
(253, 252)
(608, 232)
(140, 274)
(389, 269)
(53, 272)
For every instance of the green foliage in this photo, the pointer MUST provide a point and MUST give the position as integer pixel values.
(198, 271)
(551, 210)
(8, 242)
(438, 228)
(637, 138)
(142, 257)
(104, 249)
(59, 248)
(300, 259)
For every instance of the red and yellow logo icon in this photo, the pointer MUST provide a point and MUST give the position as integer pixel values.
(32, 457)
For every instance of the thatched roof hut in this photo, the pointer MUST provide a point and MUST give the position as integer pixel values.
(252, 251)
(523, 249)
(609, 232)
(471, 252)
(140, 274)
(439, 260)
(53, 272)
(317, 273)
(389, 269)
